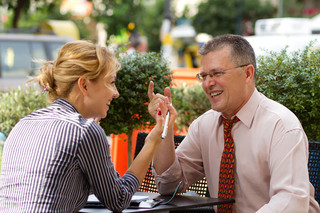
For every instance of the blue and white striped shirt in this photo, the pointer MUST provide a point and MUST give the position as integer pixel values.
(51, 160)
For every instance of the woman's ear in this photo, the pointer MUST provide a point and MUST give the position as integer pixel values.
(83, 85)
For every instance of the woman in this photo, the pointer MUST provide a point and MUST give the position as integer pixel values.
(55, 156)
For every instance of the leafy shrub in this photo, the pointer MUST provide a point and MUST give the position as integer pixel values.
(294, 81)
(18, 103)
(130, 110)
(190, 102)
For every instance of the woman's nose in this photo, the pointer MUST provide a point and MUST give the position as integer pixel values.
(116, 93)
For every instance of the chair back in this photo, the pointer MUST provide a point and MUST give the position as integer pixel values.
(314, 167)
(149, 185)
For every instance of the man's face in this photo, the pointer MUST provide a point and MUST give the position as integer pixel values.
(227, 90)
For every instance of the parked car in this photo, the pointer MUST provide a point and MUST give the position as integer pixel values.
(274, 34)
(17, 54)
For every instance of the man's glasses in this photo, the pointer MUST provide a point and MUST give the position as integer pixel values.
(215, 73)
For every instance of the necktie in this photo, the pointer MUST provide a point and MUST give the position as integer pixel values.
(226, 176)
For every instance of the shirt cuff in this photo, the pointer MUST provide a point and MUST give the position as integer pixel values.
(134, 181)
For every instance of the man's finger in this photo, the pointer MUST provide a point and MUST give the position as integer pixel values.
(151, 90)
(167, 93)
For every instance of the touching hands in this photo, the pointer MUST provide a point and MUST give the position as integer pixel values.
(156, 99)
(156, 132)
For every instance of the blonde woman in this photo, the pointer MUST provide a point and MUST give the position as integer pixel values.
(55, 156)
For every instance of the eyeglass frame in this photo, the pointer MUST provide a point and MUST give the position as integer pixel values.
(216, 72)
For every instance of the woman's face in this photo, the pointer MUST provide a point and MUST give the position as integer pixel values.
(100, 94)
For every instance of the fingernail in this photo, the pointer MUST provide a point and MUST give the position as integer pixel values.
(159, 112)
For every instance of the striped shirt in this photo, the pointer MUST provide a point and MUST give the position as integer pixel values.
(53, 158)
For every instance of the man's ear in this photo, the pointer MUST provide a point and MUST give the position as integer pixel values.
(83, 85)
(249, 73)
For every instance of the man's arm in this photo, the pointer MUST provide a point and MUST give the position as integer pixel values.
(289, 184)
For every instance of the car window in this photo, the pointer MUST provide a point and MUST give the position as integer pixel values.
(38, 53)
(15, 59)
(53, 48)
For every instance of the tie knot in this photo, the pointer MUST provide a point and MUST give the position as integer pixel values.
(229, 123)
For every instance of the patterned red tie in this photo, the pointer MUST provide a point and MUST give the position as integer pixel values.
(226, 177)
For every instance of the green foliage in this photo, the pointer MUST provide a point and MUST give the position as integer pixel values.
(150, 22)
(18, 103)
(190, 102)
(147, 17)
(21, 10)
(130, 110)
(217, 17)
(116, 14)
(294, 81)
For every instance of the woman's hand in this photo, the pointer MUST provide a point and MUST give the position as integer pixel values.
(164, 107)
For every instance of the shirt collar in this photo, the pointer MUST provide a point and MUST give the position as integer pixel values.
(60, 102)
(246, 113)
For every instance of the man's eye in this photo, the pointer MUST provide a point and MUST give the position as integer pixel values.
(217, 73)
(203, 75)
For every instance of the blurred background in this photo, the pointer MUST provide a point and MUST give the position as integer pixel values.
(177, 27)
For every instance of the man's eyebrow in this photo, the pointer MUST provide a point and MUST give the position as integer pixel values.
(215, 70)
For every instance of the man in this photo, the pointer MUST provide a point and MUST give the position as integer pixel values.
(139, 44)
(270, 148)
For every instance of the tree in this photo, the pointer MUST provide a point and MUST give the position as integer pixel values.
(117, 15)
(217, 17)
(20, 7)
(150, 23)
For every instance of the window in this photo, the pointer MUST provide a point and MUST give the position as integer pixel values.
(15, 59)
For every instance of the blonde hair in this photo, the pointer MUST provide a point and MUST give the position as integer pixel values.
(75, 59)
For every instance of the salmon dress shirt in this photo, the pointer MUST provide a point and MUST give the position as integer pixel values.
(271, 151)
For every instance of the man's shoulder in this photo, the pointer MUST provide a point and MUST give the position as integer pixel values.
(209, 116)
(271, 108)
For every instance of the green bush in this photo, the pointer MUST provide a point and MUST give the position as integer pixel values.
(293, 79)
(18, 103)
(190, 102)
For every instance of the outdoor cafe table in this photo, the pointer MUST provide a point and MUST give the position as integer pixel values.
(179, 202)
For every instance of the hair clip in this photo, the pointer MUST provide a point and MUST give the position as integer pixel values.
(44, 89)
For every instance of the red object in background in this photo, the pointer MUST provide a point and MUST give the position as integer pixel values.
(119, 150)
